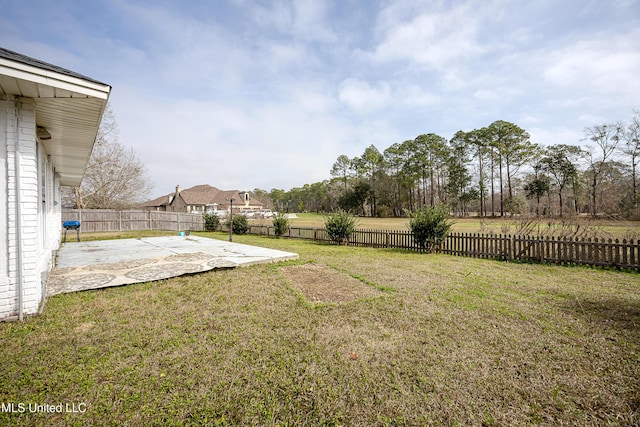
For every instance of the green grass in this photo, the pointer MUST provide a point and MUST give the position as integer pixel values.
(457, 341)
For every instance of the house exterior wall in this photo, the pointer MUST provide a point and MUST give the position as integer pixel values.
(177, 205)
(6, 296)
(31, 228)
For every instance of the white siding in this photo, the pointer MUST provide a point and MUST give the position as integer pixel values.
(39, 214)
(6, 296)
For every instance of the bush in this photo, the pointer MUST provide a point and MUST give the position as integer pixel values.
(240, 224)
(516, 205)
(383, 211)
(430, 226)
(340, 226)
(280, 223)
(211, 221)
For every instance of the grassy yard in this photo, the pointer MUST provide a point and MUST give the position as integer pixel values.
(600, 228)
(436, 340)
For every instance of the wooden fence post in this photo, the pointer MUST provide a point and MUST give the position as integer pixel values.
(511, 249)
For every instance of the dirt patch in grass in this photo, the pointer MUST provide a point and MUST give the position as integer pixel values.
(321, 284)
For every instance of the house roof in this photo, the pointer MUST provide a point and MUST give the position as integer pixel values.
(18, 57)
(67, 104)
(160, 201)
(201, 195)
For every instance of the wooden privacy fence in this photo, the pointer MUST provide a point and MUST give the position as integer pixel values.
(94, 220)
(560, 250)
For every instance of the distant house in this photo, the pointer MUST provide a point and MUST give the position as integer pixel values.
(203, 198)
(49, 118)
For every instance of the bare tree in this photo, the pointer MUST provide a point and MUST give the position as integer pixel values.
(115, 177)
(631, 148)
(606, 138)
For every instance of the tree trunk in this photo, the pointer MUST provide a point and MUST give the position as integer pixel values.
(560, 201)
(77, 192)
(510, 199)
(634, 184)
(493, 209)
(501, 188)
(481, 185)
(594, 185)
(432, 201)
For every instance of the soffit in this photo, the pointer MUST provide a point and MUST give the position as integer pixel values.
(68, 105)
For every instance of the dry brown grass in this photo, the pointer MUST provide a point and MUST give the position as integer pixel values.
(570, 226)
(318, 284)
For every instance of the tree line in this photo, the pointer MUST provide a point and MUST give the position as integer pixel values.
(493, 171)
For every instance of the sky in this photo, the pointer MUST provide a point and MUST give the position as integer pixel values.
(243, 94)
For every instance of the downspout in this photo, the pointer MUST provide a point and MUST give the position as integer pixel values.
(43, 295)
(16, 158)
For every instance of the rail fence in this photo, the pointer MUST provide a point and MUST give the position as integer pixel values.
(561, 250)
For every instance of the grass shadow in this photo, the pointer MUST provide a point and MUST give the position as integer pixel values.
(613, 313)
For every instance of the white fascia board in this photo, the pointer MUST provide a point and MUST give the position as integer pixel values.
(53, 79)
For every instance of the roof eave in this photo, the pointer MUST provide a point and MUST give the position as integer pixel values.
(72, 116)
(36, 75)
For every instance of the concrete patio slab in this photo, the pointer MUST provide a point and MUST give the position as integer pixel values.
(104, 263)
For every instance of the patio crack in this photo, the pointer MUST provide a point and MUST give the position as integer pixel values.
(160, 246)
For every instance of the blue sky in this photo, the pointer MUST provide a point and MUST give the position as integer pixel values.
(267, 94)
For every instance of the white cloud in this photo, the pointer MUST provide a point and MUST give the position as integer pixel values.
(497, 93)
(434, 40)
(310, 20)
(300, 19)
(190, 142)
(412, 95)
(362, 97)
(555, 135)
(366, 98)
(313, 98)
(605, 64)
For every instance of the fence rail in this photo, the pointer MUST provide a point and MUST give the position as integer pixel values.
(560, 250)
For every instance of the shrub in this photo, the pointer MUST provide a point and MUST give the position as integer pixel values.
(430, 226)
(240, 224)
(211, 221)
(383, 211)
(280, 223)
(340, 226)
